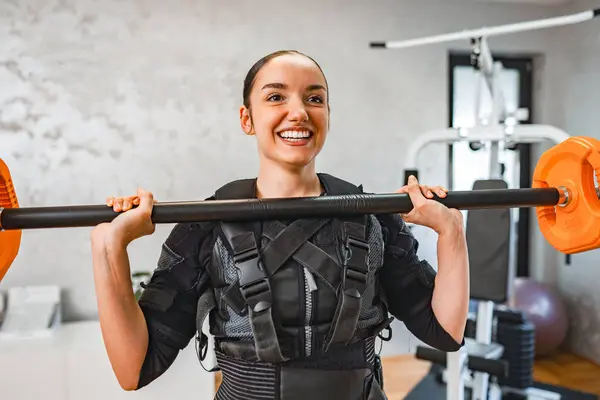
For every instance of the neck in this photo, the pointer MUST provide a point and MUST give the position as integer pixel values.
(276, 181)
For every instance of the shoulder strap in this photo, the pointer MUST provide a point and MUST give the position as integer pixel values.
(253, 284)
(335, 186)
(237, 190)
(246, 188)
(355, 267)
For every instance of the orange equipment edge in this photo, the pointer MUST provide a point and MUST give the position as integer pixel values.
(10, 241)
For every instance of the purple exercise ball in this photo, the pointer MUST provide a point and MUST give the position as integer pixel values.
(544, 307)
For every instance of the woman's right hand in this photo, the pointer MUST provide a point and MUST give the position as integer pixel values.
(132, 223)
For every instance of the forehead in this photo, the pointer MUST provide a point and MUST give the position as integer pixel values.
(291, 69)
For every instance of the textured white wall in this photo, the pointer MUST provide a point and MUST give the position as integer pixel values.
(97, 98)
(579, 105)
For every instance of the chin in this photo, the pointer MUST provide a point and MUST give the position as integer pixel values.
(294, 162)
(297, 163)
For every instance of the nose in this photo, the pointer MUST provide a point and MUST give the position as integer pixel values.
(297, 111)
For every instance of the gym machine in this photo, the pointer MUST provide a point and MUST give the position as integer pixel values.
(478, 366)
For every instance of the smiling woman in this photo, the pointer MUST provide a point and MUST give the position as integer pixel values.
(295, 306)
(286, 106)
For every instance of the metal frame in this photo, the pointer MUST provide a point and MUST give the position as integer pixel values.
(498, 131)
(490, 71)
(457, 376)
(491, 31)
(532, 133)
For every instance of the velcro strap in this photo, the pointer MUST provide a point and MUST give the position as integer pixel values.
(345, 320)
(278, 251)
(158, 298)
(311, 257)
(321, 264)
(265, 336)
(168, 334)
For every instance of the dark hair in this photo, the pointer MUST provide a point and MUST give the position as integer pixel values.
(251, 75)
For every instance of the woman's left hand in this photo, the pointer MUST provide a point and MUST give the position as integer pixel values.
(427, 212)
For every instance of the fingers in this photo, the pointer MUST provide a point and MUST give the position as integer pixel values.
(439, 190)
(146, 200)
(427, 191)
(126, 203)
(411, 187)
(415, 191)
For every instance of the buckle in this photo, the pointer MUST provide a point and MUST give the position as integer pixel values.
(255, 289)
(354, 282)
(254, 283)
(388, 337)
(245, 255)
(248, 264)
(352, 242)
(356, 275)
(257, 295)
(356, 267)
(202, 341)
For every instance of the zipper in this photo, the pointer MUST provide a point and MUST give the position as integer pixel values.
(309, 287)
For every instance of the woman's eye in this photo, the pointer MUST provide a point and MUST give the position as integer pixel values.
(318, 99)
(275, 97)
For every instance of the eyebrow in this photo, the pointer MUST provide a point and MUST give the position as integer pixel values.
(277, 85)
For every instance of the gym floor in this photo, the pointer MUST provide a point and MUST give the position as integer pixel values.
(402, 373)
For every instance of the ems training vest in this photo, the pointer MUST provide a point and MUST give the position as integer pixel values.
(294, 290)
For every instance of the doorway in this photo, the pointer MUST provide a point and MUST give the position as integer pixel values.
(468, 163)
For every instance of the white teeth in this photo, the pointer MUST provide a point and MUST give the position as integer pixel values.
(295, 134)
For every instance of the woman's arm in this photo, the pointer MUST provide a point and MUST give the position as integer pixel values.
(121, 320)
(408, 286)
(143, 338)
(170, 299)
(450, 300)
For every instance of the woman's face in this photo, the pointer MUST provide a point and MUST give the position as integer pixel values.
(289, 111)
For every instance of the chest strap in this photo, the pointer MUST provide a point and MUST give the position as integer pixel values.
(354, 283)
(254, 270)
(311, 256)
(253, 284)
(315, 259)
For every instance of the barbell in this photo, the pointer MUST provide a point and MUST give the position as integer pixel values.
(563, 191)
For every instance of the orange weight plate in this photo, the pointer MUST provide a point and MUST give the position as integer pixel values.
(572, 164)
(9, 240)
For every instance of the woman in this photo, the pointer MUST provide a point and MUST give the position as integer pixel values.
(294, 306)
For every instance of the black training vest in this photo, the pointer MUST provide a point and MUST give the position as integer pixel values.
(289, 291)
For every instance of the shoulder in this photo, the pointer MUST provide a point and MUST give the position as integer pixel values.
(395, 231)
(186, 238)
(391, 225)
(338, 186)
(237, 189)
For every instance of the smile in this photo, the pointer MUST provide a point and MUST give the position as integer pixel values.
(295, 137)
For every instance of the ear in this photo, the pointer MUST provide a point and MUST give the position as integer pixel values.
(246, 120)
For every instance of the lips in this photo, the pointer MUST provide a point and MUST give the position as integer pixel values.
(295, 137)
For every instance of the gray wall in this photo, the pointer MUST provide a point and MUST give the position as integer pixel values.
(98, 98)
(577, 101)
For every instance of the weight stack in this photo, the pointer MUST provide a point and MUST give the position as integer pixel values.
(517, 335)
